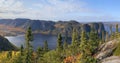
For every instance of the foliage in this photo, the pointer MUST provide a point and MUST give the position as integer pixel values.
(22, 50)
(59, 43)
(107, 37)
(39, 53)
(65, 45)
(117, 51)
(81, 50)
(93, 41)
(29, 51)
(75, 41)
(15, 57)
(53, 57)
(45, 48)
(84, 48)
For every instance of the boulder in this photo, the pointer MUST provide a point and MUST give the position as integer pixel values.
(106, 49)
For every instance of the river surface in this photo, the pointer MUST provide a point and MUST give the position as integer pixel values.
(38, 40)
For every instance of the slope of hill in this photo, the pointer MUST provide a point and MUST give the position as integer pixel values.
(104, 53)
(5, 45)
(49, 27)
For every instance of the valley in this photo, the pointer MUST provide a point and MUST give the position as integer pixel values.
(15, 32)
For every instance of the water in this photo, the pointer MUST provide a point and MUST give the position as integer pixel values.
(38, 40)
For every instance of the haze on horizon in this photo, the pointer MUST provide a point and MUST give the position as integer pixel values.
(80, 10)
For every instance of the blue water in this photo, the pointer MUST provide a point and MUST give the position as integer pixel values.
(38, 40)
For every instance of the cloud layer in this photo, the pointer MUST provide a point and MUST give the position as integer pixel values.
(48, 10)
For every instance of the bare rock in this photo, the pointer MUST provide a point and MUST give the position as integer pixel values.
(112, 59)
(106, 49)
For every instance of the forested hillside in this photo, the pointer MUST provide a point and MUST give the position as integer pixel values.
(85, 48)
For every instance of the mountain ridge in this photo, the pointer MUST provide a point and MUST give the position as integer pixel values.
(51, 27)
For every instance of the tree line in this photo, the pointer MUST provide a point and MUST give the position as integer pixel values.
(85, 44)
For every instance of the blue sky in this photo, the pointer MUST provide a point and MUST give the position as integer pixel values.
(80, 10)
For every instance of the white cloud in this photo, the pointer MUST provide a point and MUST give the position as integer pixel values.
(48, 10)
(11, 6)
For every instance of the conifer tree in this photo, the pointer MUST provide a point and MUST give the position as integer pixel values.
(75, 41)
(117, 32)
(29, 50)
(83, 48)
(111, 33)
(87, 48)
(59, 43)
(83, 41)
(103, 36)
(107, 36)
(116, 28)
(40, 53)
(93, 41)
(46, 46)
(65, 45)
(21, 50)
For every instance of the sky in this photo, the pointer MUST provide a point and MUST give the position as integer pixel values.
(80, 10)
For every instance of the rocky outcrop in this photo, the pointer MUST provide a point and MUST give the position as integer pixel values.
(106, 49)
(112, 59)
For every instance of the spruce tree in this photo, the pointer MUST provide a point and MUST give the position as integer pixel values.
(83, 41)
(117, 32)
(74, 38)
(59, 43)
(40, 53)
(93, 41)
(21, 50)
(83, 48)
(103, 36)
(46, 46)
(29, 49)
(65, 45)
(107, 36)
(88, 47)
(116, 27)
(111, 33)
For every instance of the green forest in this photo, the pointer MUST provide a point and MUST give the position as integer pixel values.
(83, 48)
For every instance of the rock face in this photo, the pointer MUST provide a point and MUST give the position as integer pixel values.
(106, 49)
(5, 45)
(112, 59)
(50, 27)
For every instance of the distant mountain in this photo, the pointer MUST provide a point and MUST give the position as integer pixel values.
(49, 27)
(5, 45)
